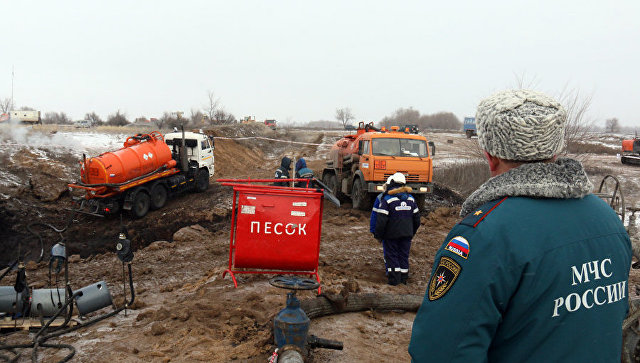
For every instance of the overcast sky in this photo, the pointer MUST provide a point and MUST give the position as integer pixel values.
(300, 60)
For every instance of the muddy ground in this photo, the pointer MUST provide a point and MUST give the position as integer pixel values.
(184, 310)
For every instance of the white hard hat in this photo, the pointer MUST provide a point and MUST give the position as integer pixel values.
(398, 178)
(389, 179)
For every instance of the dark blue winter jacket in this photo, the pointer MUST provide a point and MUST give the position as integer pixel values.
(283, 171)
(398, 215)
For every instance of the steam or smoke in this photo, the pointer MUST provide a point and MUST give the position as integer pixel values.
(14, 136)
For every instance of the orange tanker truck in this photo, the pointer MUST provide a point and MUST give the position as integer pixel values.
(358, 165)
(143, 174)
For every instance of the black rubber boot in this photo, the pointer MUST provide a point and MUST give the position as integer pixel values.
(404, 277)
(394, 278)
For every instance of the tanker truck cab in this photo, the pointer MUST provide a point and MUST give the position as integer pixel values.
(359, 165)
(199, 148)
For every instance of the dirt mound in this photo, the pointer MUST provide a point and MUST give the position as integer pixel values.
(238, 130)
(240, 159)
(442, 196)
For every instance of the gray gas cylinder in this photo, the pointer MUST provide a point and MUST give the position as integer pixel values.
(10, 302)
(94, 297)
(46, 302)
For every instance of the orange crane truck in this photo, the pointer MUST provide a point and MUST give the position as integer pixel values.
(358, 165)
(143, 174)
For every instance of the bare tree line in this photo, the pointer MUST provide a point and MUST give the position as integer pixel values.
(210, 114)
(409, 116)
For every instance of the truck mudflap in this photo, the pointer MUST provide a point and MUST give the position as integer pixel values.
(417, 188)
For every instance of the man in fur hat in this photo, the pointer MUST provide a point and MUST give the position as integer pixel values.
(537, 270)
(397, 220)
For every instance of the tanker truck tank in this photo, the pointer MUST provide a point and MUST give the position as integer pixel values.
(141, 155)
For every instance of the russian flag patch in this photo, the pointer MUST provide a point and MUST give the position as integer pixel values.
(458, 245)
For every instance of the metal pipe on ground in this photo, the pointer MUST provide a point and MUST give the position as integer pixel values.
(337, 304)
(290, 354)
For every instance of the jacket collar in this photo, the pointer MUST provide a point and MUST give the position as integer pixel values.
(563, 179)
(403, 189)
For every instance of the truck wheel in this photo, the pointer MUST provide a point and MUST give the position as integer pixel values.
(141, 204)
(202, 180)
(158, 196)
(360, 197)
(333, 185)
(469, 134)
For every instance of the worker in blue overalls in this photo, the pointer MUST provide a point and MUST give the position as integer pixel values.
(397, 221)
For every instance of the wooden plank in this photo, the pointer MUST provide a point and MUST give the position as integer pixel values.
(31, 323)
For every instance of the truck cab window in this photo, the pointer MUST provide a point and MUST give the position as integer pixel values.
(399, 147)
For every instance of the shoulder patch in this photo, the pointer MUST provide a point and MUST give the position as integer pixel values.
(474, 218)
(443, 278)
(460, 246)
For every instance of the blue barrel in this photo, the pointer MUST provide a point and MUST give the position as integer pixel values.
(291, 325)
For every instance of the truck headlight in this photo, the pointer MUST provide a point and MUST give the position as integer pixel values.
(424, 189)
(380, 188)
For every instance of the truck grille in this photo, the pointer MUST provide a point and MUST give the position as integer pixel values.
(408, 177)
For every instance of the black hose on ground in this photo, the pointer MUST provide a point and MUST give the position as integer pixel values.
(63, 308)
(315, 342)
(52, 227)
(9, 268)
(15, 346)
(61, 346)
(36, 342)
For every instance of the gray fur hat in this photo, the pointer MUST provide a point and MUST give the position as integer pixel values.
(521, 125)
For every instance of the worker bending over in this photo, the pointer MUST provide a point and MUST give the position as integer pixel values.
(283, 171)
(303, 172)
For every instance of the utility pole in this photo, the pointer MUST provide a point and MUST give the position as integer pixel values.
(12, 76)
